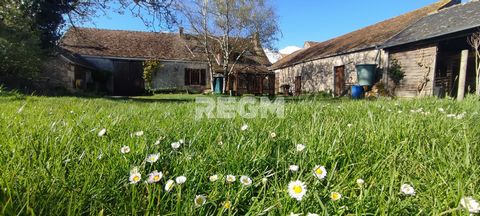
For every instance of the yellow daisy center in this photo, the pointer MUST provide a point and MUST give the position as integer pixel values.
(136, 178)
(335, 196)
(152, 158)
(318, 171)
(156, 178)
(227, 204)
(297, 189)
(199, 200)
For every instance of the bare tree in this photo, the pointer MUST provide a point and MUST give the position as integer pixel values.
(474, 41)
(226, 28)
(153, 13)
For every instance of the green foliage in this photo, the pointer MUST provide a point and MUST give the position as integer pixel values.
(53, 162)
(149, 69)
(395, 72)
(20, 52)
(47, 18)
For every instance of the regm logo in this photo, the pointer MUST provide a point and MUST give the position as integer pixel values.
(245, 107)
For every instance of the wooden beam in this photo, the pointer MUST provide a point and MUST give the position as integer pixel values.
(462, 75)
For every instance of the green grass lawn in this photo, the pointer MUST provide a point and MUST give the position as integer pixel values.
(53, 162)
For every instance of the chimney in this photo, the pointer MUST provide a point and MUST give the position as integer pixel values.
(181, 31)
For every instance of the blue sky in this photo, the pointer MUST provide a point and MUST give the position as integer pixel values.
(303, 20)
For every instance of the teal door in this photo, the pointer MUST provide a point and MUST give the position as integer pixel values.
(218, 85)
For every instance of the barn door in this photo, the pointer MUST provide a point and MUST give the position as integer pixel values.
(128, 78)
(298, 85)
(339, 80)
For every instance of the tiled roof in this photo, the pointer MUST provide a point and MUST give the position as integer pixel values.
(450, 20)
(365, 38)
(147, 45)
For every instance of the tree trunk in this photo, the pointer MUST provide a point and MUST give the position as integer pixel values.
(462, 75)
(477, 67)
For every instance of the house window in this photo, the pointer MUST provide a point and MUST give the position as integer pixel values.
(195, 76)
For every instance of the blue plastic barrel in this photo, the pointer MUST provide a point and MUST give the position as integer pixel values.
(357, 92)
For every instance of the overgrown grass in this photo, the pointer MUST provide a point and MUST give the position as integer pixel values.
(53, 162)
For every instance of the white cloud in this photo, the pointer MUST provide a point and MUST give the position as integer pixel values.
(275, 56)
(289, 50)
(272, 56)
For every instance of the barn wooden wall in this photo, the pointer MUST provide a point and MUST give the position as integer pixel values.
(418, 63)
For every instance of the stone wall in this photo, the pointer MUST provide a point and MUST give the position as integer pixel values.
(172, 75)
(318, 75)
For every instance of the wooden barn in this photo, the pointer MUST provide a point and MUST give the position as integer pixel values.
(330, 66)
(432, 51)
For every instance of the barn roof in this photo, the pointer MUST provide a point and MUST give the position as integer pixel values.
(145, 45)
(447, 21)
(365, 38)
(129, 44)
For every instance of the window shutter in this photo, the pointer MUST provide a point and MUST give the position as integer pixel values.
(203, 77)
(187, 76)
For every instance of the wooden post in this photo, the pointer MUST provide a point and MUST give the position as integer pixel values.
(462, 76)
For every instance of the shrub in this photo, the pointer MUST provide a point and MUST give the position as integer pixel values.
(395, 72)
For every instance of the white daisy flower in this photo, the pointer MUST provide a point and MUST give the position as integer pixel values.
(200, 200)
(181, 179)
(125, 149)
(176, 145)
(100, 156)
(157, 142)
(227, 204)
(213, 178)
(135, 177)
(244, 127)
(152, 158)
(407, 190)
(264, 180)
(220, 143)
(300, 147)
(154, 177)
(138, 133)
(320, 172)
(293, 168)
(470, 204)
(297, 189)
(349, 125)
(102, 132)
(245, 180)
(311, 214)
(335, 196)
(273, 135)
(169, 185)
(360, 182)
(441, 110)
(230, 178)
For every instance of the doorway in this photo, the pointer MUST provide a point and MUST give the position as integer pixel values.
(298, 85)
(339, 80)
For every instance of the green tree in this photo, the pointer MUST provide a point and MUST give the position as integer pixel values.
(19, 45)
